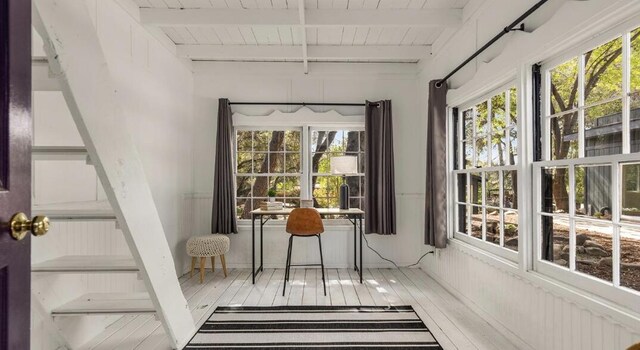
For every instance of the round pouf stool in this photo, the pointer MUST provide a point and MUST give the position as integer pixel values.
(208, 246)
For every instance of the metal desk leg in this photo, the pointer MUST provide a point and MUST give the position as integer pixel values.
(355, 245)
(253, 248)
(261, 268)
(360, 267)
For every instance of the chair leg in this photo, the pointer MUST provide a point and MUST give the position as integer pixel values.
(202, 262)
(324, 285)
(193, 266)
(288, 265)
(289, 254)
(224, 265)
(213, 264)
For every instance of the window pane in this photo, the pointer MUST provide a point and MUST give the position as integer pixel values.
(320, 163)
(510, 183)
(498, 117)
(261, 140)
(593, 249)
(513, 146)
(337, 144)
(555, 240)
(603, 72)
(476, 222)
(354, 186)
(635, 60)
(593, 191)
(292, 163)
(243, 141)
(603, 129)
(564, 136)
(352, 146)
(630, 257)
(493, 226)
(630, 196)
(276, 162)
(292, 141)
(292, 186)
(513, 101)
(481, 150)
(363, 144)
(498, 148)
(555, 190)
(362, 165)
(467, 117)
(244, 163)
(564, 86)
(468, 154)
(462, 218)
(318, 141)
(260, 163)
(243, 208)
(326, 191)
(492, 187)
(244, 185)
(511, 229)
(481, 118)
(476, 188)
(260, 186)
(463, 196)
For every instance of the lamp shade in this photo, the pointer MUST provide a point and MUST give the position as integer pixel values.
(344, 165)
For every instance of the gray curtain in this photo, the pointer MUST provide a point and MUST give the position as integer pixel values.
(380, 192)
(435, 206)
(223, 218)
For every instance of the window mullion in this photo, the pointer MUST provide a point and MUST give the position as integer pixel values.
(626, 87)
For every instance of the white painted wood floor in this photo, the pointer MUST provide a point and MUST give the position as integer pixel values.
(454, 325)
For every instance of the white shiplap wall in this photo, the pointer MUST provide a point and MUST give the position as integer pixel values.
(536, 312)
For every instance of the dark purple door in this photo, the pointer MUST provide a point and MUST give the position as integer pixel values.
(15, 170)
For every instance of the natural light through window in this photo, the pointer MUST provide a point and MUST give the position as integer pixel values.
(588, 182)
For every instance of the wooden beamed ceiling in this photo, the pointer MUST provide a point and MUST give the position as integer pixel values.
(304, 30)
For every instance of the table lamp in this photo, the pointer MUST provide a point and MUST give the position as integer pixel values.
(344, 165)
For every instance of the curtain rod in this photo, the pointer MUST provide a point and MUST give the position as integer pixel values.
(507, 29)
(300, 104)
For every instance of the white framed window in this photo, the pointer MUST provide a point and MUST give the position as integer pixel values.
(485, 172)
(587, 222)
(267, 159)
(294, 160)
(331, 142)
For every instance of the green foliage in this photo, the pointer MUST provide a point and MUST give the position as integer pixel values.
(272, 192)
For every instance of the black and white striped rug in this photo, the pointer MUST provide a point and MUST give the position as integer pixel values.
(313, 327)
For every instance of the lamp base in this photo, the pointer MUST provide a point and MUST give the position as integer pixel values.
(344, 196)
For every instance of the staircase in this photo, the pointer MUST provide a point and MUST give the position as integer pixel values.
(124, 210)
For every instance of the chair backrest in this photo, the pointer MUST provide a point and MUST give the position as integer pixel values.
(304, 222)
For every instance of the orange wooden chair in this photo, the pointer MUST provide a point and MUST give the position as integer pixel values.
(304, 222)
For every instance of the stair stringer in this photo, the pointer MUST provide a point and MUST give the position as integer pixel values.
(76, 57)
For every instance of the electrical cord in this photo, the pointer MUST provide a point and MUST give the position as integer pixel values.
(391, 261)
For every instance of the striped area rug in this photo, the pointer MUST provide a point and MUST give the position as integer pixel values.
(314, 327)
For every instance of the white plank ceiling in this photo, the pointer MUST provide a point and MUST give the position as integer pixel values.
(303, 30)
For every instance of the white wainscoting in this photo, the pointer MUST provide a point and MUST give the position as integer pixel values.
(529, 308)
(337, 241)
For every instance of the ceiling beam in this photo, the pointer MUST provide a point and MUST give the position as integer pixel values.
(303, 34)
(291, 17)
(324, 52)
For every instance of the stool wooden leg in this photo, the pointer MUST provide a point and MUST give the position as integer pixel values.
(193, 266)
(213, 264)
(202, 261)
(224, 265)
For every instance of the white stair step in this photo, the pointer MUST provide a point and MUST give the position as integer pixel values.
(93, 210)
(107, 304)
(87, 264)
(59, 153)
(41, 77)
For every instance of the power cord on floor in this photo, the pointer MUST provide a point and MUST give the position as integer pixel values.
(391, 261)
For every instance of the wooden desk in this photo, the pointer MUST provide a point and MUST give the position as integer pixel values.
(353, 215)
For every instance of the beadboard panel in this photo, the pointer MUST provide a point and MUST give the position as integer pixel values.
(337, 241)
(526, 311)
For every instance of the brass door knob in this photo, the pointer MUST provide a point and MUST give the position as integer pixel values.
(20, 225)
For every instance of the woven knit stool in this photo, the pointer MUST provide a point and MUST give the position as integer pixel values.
(208, 246)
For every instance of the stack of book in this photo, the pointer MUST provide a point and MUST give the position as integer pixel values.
(271, 205)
